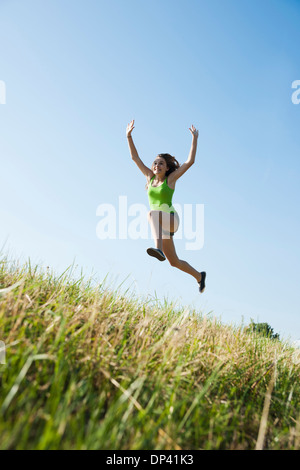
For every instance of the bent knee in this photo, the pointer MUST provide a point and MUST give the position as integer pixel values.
(173, 262)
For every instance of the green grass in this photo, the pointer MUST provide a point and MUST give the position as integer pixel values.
(89, 368)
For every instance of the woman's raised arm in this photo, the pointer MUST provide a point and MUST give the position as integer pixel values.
(133, 152)
(191, 158)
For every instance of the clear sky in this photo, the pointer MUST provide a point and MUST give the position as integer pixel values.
(76, 72)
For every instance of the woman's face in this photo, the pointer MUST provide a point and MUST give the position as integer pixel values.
(159, 166)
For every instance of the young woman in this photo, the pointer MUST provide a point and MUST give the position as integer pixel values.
(163, 218)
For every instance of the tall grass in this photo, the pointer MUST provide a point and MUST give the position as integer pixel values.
(89, 368)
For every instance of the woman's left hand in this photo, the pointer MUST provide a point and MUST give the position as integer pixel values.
(193, 131)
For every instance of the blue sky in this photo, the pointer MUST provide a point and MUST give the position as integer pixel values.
(76, 72)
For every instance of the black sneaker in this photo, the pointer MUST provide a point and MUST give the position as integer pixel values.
(156, 253)
(202, 282)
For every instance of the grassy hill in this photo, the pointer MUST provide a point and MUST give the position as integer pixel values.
(89, 368)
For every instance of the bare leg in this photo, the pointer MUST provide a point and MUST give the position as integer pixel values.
(161, 224)
(155, 221)
(171, 255)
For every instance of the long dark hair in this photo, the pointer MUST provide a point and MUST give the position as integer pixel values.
(171, 162)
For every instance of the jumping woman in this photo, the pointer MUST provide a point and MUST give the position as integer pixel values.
(163, 218)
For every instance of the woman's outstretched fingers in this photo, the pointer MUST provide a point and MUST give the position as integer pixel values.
(130, 128)
(193, 130)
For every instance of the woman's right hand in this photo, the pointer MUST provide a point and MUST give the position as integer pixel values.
(130, 128)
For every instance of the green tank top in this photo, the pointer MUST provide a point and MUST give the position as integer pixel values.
(160, 197)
